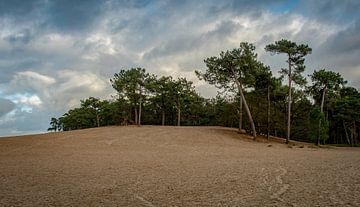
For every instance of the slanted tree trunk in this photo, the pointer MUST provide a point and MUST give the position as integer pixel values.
(289, 104)
(238, 84)
(240, 115)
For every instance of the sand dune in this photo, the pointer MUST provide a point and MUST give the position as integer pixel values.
(172, 166)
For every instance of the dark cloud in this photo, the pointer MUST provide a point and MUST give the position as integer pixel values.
(344, 42)
(159, 19)
(6, 106)
(340, 52)
(61, 15)
(186, 43)
(330, 11)
(128, 3)
(21, 10)
(73, 15)
(14, 65)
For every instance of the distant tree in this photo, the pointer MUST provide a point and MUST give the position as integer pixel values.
(132, 85)
(94, 105)
(318, 131)
(112, 112)
(265, 85)
(54, 123)
(233, 68)
(324, 82)
(150, 100)
(78, 118)
(347, 111)
(295, 59)
(181, 91)
(162, 88)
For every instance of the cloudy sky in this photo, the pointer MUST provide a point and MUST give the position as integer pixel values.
(54, 53)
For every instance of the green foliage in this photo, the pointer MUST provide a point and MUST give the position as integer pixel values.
(127, 83)
(324, 83)
(333, 118)
(78, 118)
(327, 82)
(347, 108)
(54, 125)
(295, 59)
(315, 132)
(296, 54)
(330, 79)
(133, 85)
(233, 71)
(238, 64)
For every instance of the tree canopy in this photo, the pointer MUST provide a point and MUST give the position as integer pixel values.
(295, 59)
(326, 112)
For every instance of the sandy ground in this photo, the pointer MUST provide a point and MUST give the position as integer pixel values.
(172, 166)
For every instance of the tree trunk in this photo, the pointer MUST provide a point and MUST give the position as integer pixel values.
(97, 120)
(346, 133)
(289, 105)
(268, 112)
(319, 133)
(178, 115)
(274, 120)
(245, 103)
(321, 111)
(136, 115)
(352, 136)
(163, 118)
(354, 133)
(240, 115)
(140, 107)
(358, 132)
(341, 140)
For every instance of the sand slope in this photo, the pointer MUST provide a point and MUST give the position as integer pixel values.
(172, 166)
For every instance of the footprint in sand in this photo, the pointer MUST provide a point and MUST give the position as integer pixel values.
(283, 186)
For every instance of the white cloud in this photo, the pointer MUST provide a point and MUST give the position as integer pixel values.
(30, 89)
(72, 80)
(75, 85)
(33, 100)
(32, 76)
(98, 43)
(29, 82)
(53, 43)
(26, 100)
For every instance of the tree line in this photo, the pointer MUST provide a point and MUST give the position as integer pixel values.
(323, 111)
